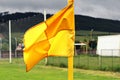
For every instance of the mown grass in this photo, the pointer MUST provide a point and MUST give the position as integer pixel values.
(16, 71)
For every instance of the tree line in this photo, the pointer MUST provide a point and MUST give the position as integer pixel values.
(22, 21)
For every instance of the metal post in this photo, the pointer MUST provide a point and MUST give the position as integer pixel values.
(45, 20)
(112, 59)
(10, 54)
(0, 47)
(91, 33)
(15, 47)
(44, 15)
(0, 54)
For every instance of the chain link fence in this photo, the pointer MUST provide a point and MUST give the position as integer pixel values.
(90, 61)
(81, 61)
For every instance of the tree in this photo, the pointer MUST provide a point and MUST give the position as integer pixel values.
(92, 44)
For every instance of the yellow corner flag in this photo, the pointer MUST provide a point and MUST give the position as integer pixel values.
(53, 37)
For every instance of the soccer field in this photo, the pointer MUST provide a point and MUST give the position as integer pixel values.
(16, 71)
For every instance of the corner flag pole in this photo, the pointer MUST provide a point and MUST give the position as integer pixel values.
(10, 55)
(70, 60)
(70, 68)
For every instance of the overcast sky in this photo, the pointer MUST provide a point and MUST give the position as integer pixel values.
(109, 9)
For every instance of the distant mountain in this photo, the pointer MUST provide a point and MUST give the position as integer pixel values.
(22, 21)
(98, 24)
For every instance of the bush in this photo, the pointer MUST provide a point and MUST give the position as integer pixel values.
(5, 46)
(62, 65)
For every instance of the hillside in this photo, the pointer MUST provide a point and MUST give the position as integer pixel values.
(98, 24)
(22, 21)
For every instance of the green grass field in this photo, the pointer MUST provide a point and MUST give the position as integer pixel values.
(16, 71)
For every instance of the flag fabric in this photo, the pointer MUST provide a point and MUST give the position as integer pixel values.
(53, 37)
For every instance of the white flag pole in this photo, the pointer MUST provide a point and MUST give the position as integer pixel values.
(10, 54)
(44, 15)
(45, 20)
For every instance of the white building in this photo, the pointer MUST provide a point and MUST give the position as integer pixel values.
(108, 45)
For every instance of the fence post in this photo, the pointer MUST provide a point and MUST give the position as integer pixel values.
(112, 59)
(100, 59)
(0, 47)
(88, 60)
(0, 54)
